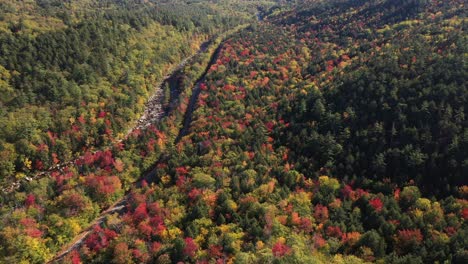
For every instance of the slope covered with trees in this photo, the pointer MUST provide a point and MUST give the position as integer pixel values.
(75, 75)
(75, 78)
(329, 132)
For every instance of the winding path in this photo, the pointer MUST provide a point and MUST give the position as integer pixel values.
(193, 99)
(153, 112)
(147, 118)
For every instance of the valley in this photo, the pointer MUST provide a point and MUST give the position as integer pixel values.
(305, 131)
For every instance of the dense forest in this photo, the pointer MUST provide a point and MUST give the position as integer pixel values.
(305, 131)
(75, 76)
(71, 71)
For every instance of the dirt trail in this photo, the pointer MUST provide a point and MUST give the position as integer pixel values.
(153, 112)
(194, 98)
(147, 119)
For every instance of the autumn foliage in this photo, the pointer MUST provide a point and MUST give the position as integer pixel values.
(329, 132)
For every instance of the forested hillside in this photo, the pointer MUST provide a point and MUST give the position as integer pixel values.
(328, 132)
(75, 76)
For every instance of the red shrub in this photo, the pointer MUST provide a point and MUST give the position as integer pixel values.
(194, 193)
(81, 119)
(190, 247)
(33, 232)
(334, 231)
(155, 247)
(409, 236)
(306, 225)
(396, 194)
(181, 181)
(450, 231)
(106, 158)
(55, 160)
(98, 239)
(102, 114)
(26, 222)
(464, 213)
(350, 238)
(319, 242)
(140, 213)
(215, 251)
(155, 209)
(30, 200)
(38, 165)
(75, 257)
(145, 229)
(377, 204)
(360, 192)
(280, 249)
(103, 185)
(245, 52)
(181, 171)
(270, 125)
(88, 158)
(347, 191)
(320, 213)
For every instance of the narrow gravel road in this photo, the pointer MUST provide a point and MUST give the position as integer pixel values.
(148, 118)
(154, 111)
